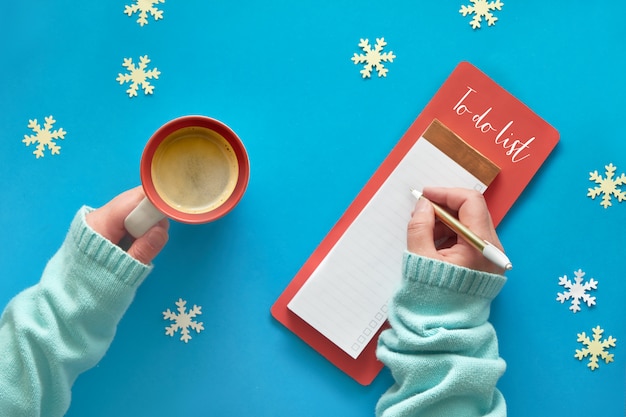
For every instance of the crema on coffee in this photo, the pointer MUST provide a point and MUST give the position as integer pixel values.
(194, 170)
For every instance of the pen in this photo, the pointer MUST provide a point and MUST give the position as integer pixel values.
(488, 250)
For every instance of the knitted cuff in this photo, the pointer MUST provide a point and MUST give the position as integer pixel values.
(100, 250)
(454, 278)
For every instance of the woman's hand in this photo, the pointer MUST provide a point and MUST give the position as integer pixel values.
(108, 221)
(426, 236)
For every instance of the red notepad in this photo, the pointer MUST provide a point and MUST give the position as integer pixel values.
(491, 121)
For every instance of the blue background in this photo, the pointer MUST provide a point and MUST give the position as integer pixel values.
(279, 73)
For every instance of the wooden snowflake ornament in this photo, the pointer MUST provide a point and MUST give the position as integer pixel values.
(44, 137)
(143, 8)
(480, 9)
(183, 320)
(607, 186)
(138, 75)
(596, 348)
(373, 58)
(577, 291)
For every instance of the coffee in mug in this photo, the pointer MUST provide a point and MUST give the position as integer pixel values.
(194, 169)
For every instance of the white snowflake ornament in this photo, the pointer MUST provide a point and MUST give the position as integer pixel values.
(607, 186)
(138, 76)
(44, 136)
(144, 7)
(577, 291)
(596, 348)
(373, 58)
(480, 9)
(183, 321)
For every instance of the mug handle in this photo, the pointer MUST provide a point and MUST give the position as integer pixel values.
(142, 218)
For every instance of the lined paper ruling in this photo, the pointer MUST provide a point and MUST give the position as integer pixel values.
(345, 298)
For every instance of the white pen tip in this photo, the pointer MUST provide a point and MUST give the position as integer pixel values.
(496, 256)
(416, 194)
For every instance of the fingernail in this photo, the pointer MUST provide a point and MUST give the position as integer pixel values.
(156, 238)
(421, 205)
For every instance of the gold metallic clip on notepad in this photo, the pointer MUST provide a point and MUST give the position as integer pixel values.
(488, 250)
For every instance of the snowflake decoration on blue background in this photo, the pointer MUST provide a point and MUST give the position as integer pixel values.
(183, 320)
(138, 76)
(373, 58)
(596, 348)
(577, 291)
(607, 186)
(44, 136)
(144, 7)
(480, 9)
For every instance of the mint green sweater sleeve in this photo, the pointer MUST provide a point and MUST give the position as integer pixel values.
(441, 350)
(63, 325)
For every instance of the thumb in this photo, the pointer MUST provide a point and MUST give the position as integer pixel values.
(420, 233)
(146, 247)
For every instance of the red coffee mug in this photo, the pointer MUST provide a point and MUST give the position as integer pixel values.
(194, 169)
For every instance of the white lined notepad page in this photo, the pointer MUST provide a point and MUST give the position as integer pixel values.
(346, 297)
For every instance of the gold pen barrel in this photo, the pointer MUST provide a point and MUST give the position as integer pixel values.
(450, 221)
(488, 250)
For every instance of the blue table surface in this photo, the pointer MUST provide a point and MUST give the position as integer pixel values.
(279, 73)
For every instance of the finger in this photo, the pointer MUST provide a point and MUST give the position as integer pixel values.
(108, 220)
(146, 247)
(470, 207)
(420, 239)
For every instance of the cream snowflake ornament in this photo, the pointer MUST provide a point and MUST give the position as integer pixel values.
(143, 7)
(138, 76)
(596, 348)
(607, 186)
(373, 58)
(480, 9)
(577, 291)
(44, 136)
(183, 321)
